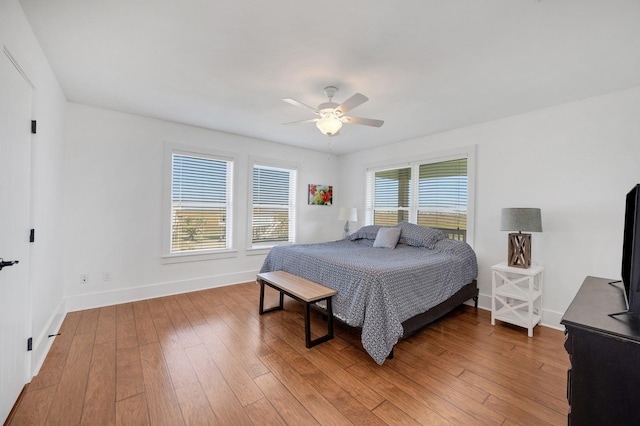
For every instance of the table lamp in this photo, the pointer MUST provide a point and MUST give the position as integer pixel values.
(520, 219)
(348, 214)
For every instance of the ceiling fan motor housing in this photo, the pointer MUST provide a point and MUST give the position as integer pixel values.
(327, 106)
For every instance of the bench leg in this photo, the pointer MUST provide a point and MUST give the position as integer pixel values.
(307, 325)
(262, 310)
(330, 321)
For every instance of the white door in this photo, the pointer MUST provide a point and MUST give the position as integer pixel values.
(15, 167)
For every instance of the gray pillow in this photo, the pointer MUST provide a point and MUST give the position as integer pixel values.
(419, 236)
(369, 232)
(387, 238)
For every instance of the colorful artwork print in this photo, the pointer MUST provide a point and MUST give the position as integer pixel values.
(321, 195)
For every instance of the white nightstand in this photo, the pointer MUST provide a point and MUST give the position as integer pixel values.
(516, 295)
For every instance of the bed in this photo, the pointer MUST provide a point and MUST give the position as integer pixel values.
(389, 293)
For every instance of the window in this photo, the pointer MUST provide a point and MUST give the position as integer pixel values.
(442, 197)
(200, 203)
(273, 206)
(392, 196)
(429, 193)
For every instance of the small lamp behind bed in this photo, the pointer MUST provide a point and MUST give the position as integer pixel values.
(348, 214)
(517, 219)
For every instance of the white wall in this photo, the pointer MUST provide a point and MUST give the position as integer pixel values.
(575, 161)
(46, 259)
(113, 206)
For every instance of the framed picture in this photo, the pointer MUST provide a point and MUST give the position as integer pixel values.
(320, 195)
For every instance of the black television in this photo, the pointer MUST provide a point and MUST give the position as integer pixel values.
(631, 251)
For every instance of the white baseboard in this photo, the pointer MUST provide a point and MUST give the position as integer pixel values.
(132, 294)
(484, 301)
(42, 342)
(550, 319)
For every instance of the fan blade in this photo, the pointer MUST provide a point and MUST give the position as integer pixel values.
(351, 103)
(296, 103)
(311, 120)
(365, 121)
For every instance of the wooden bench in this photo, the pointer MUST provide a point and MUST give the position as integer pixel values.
(302, 290)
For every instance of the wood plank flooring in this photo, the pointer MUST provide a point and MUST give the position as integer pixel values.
(208, 358)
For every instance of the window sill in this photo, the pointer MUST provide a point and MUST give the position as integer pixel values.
(197, 257)
(256, 251)
(264, 249)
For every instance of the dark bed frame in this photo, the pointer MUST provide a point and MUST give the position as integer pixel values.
(416, 323)
(420, 321)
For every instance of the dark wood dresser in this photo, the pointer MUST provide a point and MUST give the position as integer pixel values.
(603, 383)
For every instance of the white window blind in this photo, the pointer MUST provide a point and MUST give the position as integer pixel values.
(442, 197)
(433, 194)
(392, 196)
(273, 205)
(200, 203)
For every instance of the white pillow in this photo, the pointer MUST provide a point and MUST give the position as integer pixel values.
(387, 238)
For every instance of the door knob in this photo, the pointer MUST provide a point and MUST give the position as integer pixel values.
(4, 263)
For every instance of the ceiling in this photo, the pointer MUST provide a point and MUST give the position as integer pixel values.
(427, 65)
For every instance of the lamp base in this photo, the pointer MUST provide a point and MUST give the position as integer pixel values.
(345, 234)
(519, 250)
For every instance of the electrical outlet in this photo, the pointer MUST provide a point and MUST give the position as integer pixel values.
(107, 276)
(84, 278)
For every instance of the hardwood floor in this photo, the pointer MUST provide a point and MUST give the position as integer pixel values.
(208, 358)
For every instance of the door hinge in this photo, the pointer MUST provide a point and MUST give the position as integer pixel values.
(30, 344)
(33, 126)
(32, 235)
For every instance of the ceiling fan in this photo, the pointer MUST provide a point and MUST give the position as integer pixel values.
(331, 115)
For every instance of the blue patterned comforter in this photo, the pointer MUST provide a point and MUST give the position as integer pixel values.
(379, 288)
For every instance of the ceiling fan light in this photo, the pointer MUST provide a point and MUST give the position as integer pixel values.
(329, 125)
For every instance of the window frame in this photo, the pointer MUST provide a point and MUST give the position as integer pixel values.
(262, 248)
(467, 152)
(167, 227)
